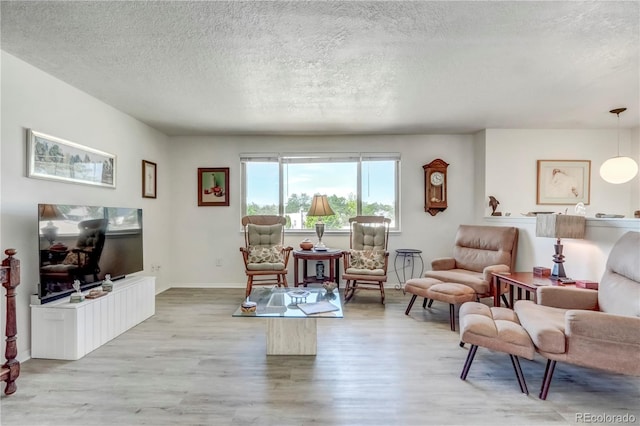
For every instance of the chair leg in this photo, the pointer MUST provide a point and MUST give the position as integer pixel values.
(467, 363)
(452, 316)
(504, 299)
(424, 303)
(519, 375)
(249, 286)
(546, 380)
(284, 280)
(349, 289)
(430, 303)
(413, 299)
(382, 292)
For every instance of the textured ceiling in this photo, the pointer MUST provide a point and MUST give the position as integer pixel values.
(193, 68)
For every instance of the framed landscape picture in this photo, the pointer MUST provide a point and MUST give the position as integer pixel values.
(213, 186)
(563, 181)
(53, 158)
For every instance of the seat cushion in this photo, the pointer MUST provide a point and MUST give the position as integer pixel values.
(419, 286)
(451, 293)
(363, 272)
(266, 266)
(475, 280)
(545, 325)
(494, 328)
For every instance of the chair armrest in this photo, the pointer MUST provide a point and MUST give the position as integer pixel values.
(443, 263)
(567, 298)
(602, 326)
(285, 252)
(487, 271)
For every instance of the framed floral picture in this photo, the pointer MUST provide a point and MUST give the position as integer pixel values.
(213, 186)
(563, 181)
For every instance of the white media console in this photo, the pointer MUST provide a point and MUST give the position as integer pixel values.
(64, 330)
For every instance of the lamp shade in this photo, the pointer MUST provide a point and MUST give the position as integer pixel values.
(320, 206)
(560, 226)
(49, 212)
(618, 170)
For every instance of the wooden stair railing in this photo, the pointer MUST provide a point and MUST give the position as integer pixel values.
(10, 278)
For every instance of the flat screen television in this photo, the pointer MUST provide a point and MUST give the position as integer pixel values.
(86, 243)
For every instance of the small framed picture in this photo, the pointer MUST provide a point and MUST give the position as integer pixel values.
(149, 179)
(213, 186)
(563, 181)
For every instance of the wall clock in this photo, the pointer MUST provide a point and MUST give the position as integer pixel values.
(435, 186)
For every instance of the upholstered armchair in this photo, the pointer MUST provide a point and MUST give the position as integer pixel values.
(365, 263)
(264, 254)
(598, 329)
(478, 251)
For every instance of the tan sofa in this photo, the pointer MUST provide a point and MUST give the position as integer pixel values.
(478, 251)
(598, 329)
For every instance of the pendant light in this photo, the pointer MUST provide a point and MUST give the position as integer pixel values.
(618, 169)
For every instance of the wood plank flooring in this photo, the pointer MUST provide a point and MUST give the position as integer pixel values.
(193, 364)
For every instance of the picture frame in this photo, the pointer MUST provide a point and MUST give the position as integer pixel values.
(53, 158)
(213, 186)
(149, 179)
(563, 182)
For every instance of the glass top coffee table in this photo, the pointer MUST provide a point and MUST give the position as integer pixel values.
(291, 331)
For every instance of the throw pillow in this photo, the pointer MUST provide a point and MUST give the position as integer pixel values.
(271, 254)
(367, 259)
(73, 258)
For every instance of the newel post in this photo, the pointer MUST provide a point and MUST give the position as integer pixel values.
(10, 277)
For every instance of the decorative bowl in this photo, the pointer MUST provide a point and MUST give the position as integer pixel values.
(306, 245)
(329, 286)
(248, 307)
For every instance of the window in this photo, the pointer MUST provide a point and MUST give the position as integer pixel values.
(355, 184)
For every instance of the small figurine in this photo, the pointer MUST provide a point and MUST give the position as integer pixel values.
(493, 202)
(77, 296)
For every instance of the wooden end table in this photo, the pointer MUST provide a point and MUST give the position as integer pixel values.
(522, 281)
(332, 255)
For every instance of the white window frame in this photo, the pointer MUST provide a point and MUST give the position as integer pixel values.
(309, 157)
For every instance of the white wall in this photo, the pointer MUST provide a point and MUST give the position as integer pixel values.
(33, 99)
(184, 239)
(511, 164)
(207, 233)
(510, 175)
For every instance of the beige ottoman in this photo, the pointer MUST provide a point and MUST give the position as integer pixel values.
(432, 289)
(497, 329)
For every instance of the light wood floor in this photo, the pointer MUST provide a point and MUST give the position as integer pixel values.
(192, 363)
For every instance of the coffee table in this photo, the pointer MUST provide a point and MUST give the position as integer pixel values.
(289, 330)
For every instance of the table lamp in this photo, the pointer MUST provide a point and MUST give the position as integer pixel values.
(49, 212)
(320, 207)
(559, 226)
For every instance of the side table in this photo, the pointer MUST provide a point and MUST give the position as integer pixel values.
(522, 281)
(332, 255)
(412, 255)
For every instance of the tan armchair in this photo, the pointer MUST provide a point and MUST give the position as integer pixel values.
(264, 254)
(597, 329)
(478, 251)
(365, 264)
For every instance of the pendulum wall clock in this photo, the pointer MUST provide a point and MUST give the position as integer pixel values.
(435, 186)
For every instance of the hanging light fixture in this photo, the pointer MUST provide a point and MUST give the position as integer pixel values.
(618, 169)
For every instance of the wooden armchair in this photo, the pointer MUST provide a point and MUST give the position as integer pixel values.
(264, 255)
(365, 264)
